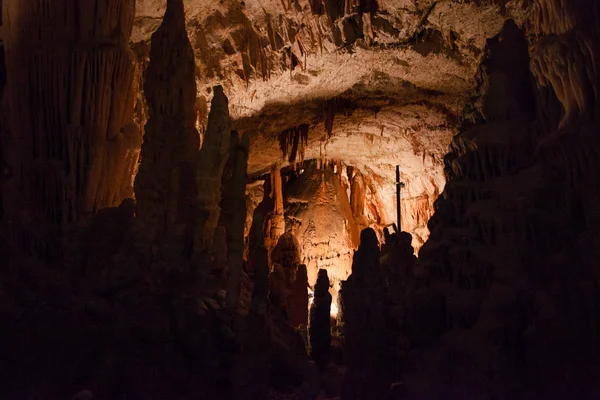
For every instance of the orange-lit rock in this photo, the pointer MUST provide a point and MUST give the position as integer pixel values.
(319, 216)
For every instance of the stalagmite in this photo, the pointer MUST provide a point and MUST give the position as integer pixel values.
(319, 329)
(166, 184)
(249, 376)
(275, 221)
(298, 298)
(233, 215)
(213, 156)
(365, 311)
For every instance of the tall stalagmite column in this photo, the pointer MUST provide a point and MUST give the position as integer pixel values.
(276, 220)
(71, 101)
(166, 184)
(213, 156)
(233, 215)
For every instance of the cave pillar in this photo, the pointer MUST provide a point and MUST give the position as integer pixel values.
(71, 100)
(165, 184)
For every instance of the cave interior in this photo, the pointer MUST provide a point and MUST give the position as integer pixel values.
(299, 199)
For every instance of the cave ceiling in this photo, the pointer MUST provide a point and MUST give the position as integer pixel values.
(394, 75)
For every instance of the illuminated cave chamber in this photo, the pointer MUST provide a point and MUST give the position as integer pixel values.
(326, 204)
(318, 213)
(266, 134)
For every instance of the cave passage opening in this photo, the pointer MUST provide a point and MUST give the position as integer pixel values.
(318, 207)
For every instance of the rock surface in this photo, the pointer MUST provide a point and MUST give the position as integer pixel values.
(357, 75)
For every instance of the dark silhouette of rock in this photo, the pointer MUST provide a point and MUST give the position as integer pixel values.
(365, 310)
(212, 158)
(166, 182)
(73, 144)
(319, 329)
(298, 298)
(278, 288)
(287, 255)
(233, 214)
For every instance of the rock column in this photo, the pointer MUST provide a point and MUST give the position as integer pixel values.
(365, 312)
(319, 330)
(213, 157)
(276, 220)
(233, 215)
(166, 184)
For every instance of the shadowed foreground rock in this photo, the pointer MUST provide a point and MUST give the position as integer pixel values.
(177, 175)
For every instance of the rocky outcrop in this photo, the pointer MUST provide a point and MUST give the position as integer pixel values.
(166, 183)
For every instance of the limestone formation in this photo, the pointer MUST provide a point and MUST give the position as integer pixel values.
(278, 289)
(166, 184)
(250, 368)
(501, 223)
(489, 107)
(286, 253)
(365, 310)
(73, 146)
(357, 198)
(298, 298)
(319, 329)
(320, 217)
(211, 163)
(275, 221)
(233, 214)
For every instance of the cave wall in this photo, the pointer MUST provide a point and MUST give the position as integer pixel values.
(70, 103)
(507, 284)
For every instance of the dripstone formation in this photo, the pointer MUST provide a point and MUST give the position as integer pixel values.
(320, 326)
(176, 177)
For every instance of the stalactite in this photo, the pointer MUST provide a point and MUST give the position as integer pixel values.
(165, 185)
(292, 143)
(328, 110)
